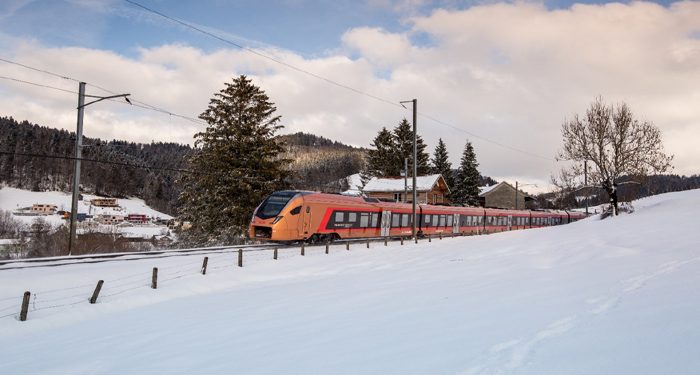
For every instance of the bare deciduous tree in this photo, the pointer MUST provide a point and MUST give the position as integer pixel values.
(614, 143)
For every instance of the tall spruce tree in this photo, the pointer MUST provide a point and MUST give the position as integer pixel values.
(403, 148)
(442, 165)
(390, 150)
(380, 158)
(238, 161)
(466, 188)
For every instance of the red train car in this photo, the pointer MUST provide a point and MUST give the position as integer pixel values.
(308, 216)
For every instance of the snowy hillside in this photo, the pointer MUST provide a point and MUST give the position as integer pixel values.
(618, 296)
(12, 199)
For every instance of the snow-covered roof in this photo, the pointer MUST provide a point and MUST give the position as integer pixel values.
(354, 185)
(485, 189)
(423, 183)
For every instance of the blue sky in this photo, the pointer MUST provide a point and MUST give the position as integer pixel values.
(309, 27)
(497, 73)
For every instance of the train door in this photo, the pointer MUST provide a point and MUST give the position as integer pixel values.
(510, 222)
(455, 223)
(304, 222)
(386, 223)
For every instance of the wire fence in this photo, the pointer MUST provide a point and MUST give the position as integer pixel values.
(65, 297)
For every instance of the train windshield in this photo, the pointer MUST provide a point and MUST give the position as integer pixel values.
(273, 204)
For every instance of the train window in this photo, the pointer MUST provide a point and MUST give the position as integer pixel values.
(442, 220)
(352, 217)
(395, 218)
(404, 220)
(339, 217)
(364, 220)
(427, 219)
(435, 220)
(449, 220)
(295, 210)
(375, 216)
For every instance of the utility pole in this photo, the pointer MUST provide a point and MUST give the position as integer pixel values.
(79, 155)
(405, 179)
(415, 158)
(516, 195)
(76, 172)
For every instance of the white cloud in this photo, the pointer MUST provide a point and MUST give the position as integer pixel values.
(508, 72)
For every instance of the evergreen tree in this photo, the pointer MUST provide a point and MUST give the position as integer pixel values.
(466, 188)
(380, 160)
(442, 165)
(238, 156)
(403, 148)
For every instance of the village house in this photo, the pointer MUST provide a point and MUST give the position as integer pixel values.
(44, 209)
(137, 219)
(104, 202)
(502, 195)
(430, 189)
(109, 219)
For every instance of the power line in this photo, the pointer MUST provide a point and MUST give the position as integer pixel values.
(37, 84)
(130, 165)
(134, 102)
(328, 80)
(278, 61)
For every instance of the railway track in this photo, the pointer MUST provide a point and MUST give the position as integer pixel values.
(114, 257)
(130, 256)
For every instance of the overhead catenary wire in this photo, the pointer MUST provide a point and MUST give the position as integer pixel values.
(134, 102)
(130, 165)
(328, 80)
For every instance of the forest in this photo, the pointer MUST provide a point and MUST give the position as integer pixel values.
(37, 158)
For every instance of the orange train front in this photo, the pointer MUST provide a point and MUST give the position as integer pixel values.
(290, 215)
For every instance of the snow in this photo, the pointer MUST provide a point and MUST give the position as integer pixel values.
(485, 189)
(12, 199)
(617, 296)
(355, 185)
(397, 184)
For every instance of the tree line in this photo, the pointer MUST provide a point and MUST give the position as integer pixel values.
(390, 149)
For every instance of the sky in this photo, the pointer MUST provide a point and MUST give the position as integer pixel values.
(503, 75)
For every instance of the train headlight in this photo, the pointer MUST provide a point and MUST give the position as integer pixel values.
(278, 218)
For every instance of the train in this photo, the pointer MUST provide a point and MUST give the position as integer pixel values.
(304, 216)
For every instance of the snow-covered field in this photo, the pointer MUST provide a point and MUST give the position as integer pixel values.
(618, 296)
(12, 199)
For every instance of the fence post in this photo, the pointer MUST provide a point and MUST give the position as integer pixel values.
(347, 245)
(204, 265)
(385, 241)
(96, 293)
(274, 254)
(240, 257)
(430, 239)
(415, 239)
(401, 240)
(25, 307)
(368, 244)
(302, 249)
(154, 278)
(326, 247)
(440, 235)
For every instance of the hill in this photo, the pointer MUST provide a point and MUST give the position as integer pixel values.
(155, 186)
(617, 296)
(317, 163)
